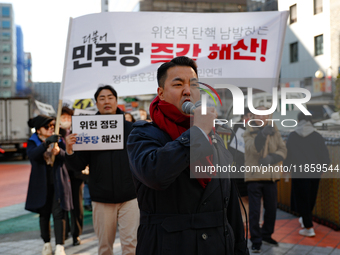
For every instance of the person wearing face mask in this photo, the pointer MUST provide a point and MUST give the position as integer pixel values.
(66, 119)
(77, 180)
(49, 189)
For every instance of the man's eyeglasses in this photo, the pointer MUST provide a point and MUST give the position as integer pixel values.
(49, 126)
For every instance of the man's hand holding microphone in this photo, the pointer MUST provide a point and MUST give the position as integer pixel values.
(204, 122)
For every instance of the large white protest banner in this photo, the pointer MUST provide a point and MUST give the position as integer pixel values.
(125, 49)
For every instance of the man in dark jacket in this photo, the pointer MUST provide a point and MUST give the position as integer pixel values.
(180, 214)
(110, 183)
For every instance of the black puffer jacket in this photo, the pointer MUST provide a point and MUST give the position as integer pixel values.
(110, 179)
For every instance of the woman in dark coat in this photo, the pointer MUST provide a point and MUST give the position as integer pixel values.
(49, 189)
(305, 147)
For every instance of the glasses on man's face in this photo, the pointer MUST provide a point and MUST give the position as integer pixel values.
(52, 125)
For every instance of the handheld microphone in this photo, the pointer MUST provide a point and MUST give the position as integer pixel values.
(188, 107)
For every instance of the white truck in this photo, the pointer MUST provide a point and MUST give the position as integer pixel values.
(14, 131)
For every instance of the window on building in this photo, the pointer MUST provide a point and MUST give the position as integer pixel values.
(5, 59)
(6, 93)
(308, 81)
(6, 48)
(293, 52)
(5, 11)
(318, 45)
(6, 71)
(317, 6)
(6, 83)
(6, 24)
(293, 14)
(5, 36)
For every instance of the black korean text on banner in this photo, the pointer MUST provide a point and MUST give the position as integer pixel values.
(97, 49)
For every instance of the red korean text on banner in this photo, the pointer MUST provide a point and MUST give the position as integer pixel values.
(224, 52)
(168, 52)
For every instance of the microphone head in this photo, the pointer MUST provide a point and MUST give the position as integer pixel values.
(198, 103)
(188, 107)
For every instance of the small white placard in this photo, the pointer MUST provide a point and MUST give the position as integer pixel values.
(46, 109)
(135, 114)
(240, 140)
(98, 132)
(83, 112)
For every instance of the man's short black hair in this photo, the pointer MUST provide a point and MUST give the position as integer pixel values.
(178, 61)
(114, 92)
(302, 116)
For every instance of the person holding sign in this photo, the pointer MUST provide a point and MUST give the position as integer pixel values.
(179, 214)
(49, 189)
(110, 183)
(264, 148)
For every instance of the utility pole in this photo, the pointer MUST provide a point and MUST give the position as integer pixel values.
(105, 5)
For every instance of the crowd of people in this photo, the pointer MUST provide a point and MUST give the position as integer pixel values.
(150, 191)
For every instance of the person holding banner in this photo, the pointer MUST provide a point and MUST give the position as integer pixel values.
(110, 183)
(77, 180)
(264, 147)
(180, 214)
(49, 189)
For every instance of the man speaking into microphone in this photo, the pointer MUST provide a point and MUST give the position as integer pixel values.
(180, 214)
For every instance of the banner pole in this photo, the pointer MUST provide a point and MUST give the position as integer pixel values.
(283, 25)
(61, 91)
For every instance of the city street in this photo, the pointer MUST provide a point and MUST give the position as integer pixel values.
(243, 100)
(19, 229)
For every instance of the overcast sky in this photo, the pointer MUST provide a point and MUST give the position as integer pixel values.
(44, 24)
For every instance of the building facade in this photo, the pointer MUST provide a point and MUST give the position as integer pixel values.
(28, 70)
(20, 84)
(8, 50)
(261, 5)
(47, 92)
(194, 5)
(311, 48)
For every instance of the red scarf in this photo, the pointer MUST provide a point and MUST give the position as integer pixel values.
(168, 118)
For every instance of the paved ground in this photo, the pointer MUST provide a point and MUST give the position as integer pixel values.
(19, 229)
